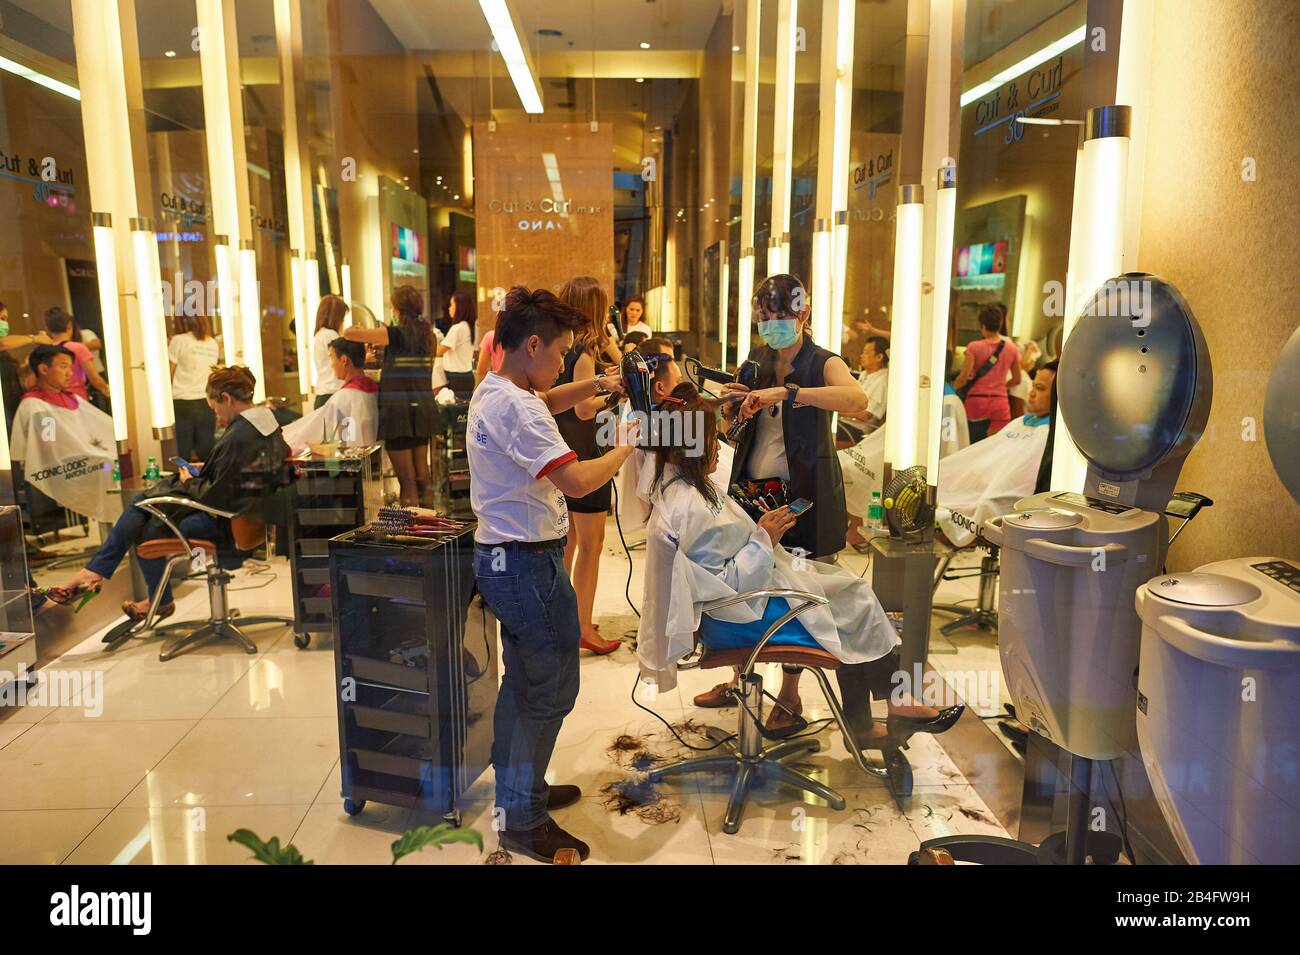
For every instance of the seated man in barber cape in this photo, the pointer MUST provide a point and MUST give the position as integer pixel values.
(66, 444)
(987, 478)
(351, 416)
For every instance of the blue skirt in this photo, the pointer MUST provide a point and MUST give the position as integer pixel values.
(725, 635)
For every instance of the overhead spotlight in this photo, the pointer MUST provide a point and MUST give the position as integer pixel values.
(456, 197)
(640, 79)
(415, 150)
(645, 45)
(735, 49)
(169, 53)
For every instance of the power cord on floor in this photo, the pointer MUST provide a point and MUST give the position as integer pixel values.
(1123, 818)
(627, 588)
(699, 749)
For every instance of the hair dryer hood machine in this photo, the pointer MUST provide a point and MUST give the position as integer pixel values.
(1134, 387)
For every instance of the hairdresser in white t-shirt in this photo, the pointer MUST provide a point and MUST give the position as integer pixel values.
(520, 471)
(193, 352)
(456, 351)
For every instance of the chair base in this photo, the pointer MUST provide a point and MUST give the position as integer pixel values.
(206, 631)
(986, 620)
(749, 771)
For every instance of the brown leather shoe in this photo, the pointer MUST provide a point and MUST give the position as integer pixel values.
(717, 697)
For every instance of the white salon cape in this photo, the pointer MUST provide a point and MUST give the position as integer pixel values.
(696, 553)
(68, 455)
(863, 463)
(988, 478)
(351, 417)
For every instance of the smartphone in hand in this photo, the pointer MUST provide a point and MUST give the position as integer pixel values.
(182, 463)
(799, 506)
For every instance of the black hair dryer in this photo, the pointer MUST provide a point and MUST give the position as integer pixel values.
(636, 381)
(747, 375)
(616, 319)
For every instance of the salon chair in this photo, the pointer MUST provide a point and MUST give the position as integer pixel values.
(248, 531)
(984, 614)
(748, 762)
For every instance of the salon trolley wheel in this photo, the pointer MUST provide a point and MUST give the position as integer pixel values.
(302, 640)
(353, 806)
(452, 818)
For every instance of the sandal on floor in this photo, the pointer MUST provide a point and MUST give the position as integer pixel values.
(135, 616)
(715, 698)
(796, 724)
(64, 595)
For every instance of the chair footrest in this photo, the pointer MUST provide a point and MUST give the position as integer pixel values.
(793, 656)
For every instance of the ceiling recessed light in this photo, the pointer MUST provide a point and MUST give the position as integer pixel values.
(735, 49)
(415, 150)
(169, 53)
(457, 196)
(640, 79)
(645, 45)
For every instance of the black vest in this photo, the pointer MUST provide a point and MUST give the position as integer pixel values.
(809, 452)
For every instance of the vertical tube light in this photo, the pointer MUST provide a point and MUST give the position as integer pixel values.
(724, 292)
(153, 328)
(944, 221)
(229, 327)
(110, 311)
(904, 344)
(1096, 247)
(311, 293)
(345, 277)
(822, 294)
(250, 316)
(300, 320)
(744, 308)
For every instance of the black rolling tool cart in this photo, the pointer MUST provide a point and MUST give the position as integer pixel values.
(450, 470)
(329, 496)
(416, 662)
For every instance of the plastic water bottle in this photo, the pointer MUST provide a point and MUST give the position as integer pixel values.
(875, 513)
(151, 473)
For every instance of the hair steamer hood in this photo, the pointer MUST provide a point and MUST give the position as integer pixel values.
(1218, 706)
(1134, 388)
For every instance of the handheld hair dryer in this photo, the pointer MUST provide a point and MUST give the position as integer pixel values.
(636, 380)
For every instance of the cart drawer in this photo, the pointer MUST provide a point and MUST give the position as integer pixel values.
(403, 587)
(391, 674)
(314, 575)
(314, 547)
(390, 720)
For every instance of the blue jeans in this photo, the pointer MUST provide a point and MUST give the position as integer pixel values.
(133, 527)
(529, 592)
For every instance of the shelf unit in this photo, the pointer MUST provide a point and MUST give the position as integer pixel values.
(415, 653)
(450, 460)
(330, 496)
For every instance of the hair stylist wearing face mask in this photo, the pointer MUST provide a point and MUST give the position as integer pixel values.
(789, 437)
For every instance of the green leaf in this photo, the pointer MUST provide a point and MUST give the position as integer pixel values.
(269, 853)
(413, 840)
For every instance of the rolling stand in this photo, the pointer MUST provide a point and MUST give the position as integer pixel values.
(416, 664)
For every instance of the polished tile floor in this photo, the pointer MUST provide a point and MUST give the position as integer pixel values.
(176, 756)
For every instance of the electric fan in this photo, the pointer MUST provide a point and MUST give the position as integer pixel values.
(906, 510)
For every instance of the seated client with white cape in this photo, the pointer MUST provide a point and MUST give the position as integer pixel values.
(351, 416)
(701, 547)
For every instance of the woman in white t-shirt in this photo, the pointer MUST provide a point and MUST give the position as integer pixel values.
(193, 352)
(329, 326)
(457, 349)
